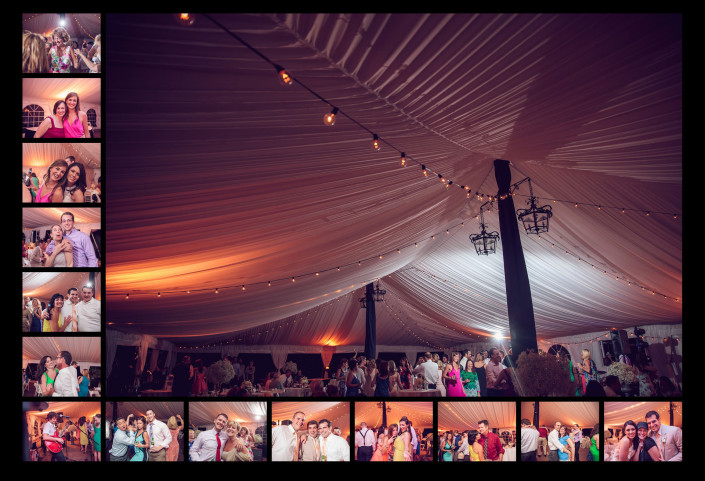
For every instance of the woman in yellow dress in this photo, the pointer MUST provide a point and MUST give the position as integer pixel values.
(402, 444)
(475, 446)
(54, 321)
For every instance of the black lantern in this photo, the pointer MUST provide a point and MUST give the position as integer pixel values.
(485, 243)
(535, 219)
(377, 296)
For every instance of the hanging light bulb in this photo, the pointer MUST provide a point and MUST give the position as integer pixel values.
(403, 159)
(375, 142)
(329, 118)
(284, 77)
(185, 19)
(425, 172)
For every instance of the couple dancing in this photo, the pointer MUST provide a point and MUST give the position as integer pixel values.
(146, 436)
(58, 377)
(227, 441)
(318, 443)
(649, 441)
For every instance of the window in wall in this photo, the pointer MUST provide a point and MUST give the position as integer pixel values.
(32, 116)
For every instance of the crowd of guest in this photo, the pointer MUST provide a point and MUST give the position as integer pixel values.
(562, 443)
(145, 438)
(58, 53)
(479, 444)
(74, 312)
(53, 437)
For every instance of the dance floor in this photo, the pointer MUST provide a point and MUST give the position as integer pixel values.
(72, 453)
(583, 455)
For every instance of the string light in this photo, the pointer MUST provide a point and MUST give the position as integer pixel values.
(403, 159)
(375, 142)
(185, 19)
(284, 77)
(329, 118)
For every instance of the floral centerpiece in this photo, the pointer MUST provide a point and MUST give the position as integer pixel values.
(304, 381)
(290, 366)
(624, 372)
(419, 383)
(246, 386)
(541, 375)
(219, 373)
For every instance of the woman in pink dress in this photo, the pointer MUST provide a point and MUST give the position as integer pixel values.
(172, 452)
(75, 120)
(451, 374)
(199, 379)
(52, 127)
(384, 444)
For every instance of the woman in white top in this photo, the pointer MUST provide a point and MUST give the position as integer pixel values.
(234, 449)
(625, 448)
(370, 376)
(76, 183)
(92, 60)
(63, 249)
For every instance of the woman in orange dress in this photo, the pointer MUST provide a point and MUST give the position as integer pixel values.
(172, 452)
(384, 443)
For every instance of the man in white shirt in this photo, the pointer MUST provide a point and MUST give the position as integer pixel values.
(467, 355)
(333, 448)
(159, 437)
(88, 311)
(360, 370)
(51, 435)
(554, 445)
(208, 446)
(285, 379)
(284, 439)
(70, 308)
(66, 382)
(429, 370)
(529, 441)
(364, 443)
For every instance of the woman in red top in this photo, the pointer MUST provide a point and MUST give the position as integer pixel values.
(53, 126)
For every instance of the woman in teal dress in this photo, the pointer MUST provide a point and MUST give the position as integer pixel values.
(471, 383)
(97, 437)
(447, 448)
(141, 441)
(83, 384)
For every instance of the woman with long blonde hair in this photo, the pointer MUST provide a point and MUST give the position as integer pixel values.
(588, 369)
(34, 53)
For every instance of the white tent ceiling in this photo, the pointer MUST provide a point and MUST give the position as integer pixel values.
(619, 412)
(53, 89)
(586, 414)
(78, 25)
(33, 218)
(43, 285)
(72, 409)
(241, 184)
(465, 415)
(82, 349)
(39, 156)
(163, 410)
(419, 413)
(250, 414)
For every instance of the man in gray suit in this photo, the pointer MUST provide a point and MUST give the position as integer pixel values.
(669, 439)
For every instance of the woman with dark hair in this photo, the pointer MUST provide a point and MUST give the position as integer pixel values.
(404, 373)
(352, 383)
(479, 365)
(382, 380)
(447, 447)
(451, 374)
(46, 374)
(75, 120)
(594, 443)
(52, 188)
(646, 448)
(402, 444)
(142, 442)
(392, 433)
(83, 383)
(53, 320)
(341, 375)
(36, 316)
(62, 255)
(76, 183)
(82, 434)
(468, 376)
(565, 439)
(52, 127)
(626, 447)
(476, 451)
(384, 443)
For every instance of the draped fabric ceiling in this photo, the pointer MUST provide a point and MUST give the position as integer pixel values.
(84, 350)
(38, 157)
(419, 413)
(586, 414)
(617, 413)
(85, 218)
(163, 410)
(43, 285)
(53, 89)
(79, 26)
(37, 411)
(338, 413)
(249, 414)
(465, 415)
(239, 183)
